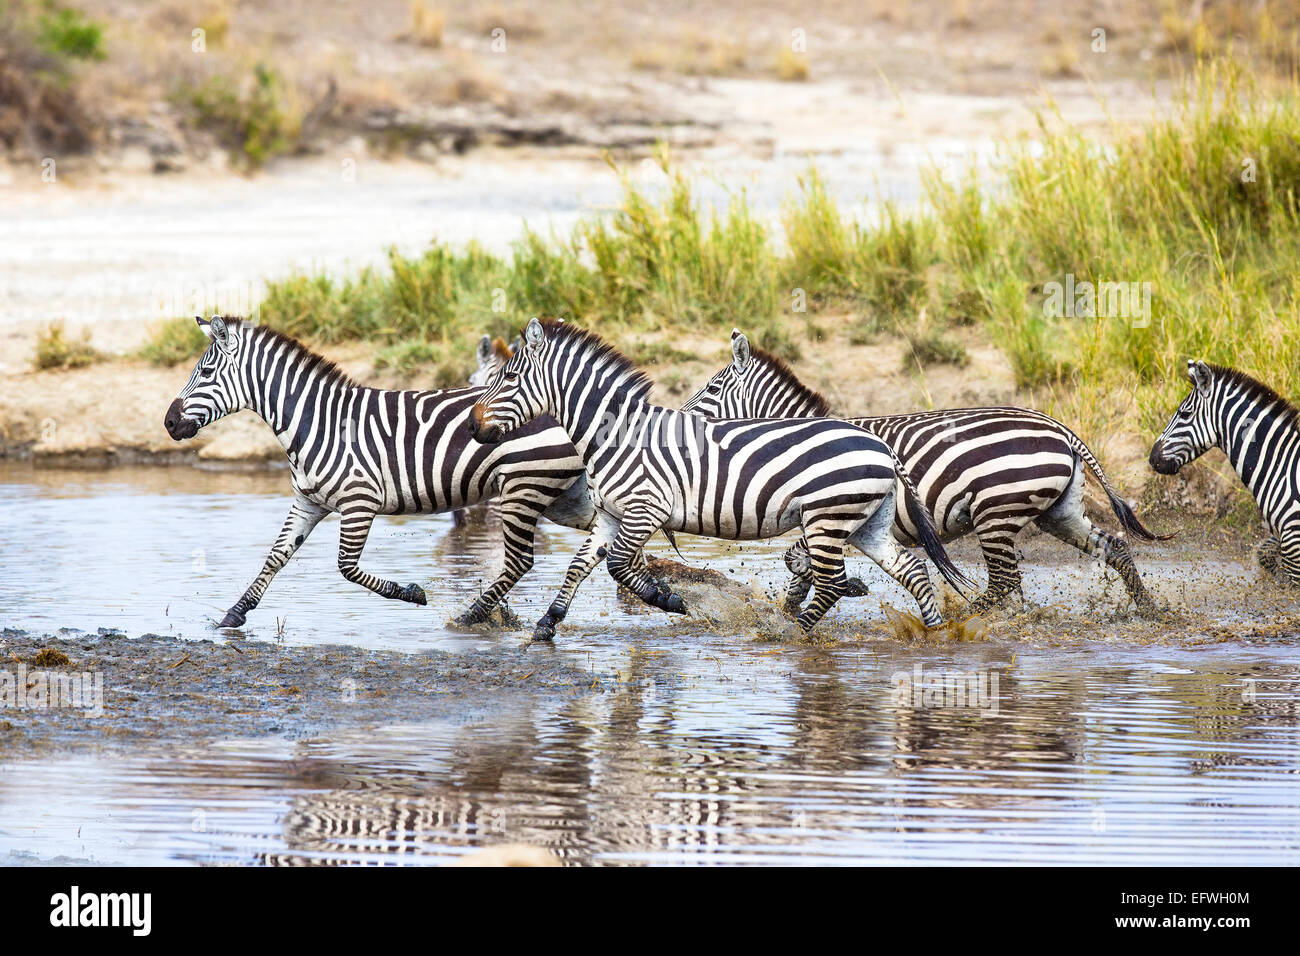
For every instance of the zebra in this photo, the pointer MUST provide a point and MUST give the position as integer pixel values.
(1258, 430)
(492, 355)
(990, 471)
(652, 468)
(363, 452)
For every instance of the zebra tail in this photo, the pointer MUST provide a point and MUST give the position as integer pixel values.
(1128, 518)
(928, 533)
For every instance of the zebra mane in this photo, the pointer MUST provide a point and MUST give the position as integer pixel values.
(311, 361)
(1257, 391)
(637, 383)
(785, 374)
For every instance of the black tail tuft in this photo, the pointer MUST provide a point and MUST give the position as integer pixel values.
(1129, 520)
(929, 535)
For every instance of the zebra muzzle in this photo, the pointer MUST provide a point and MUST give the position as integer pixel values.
(487, 434)
(1161, 464)
(177, 425)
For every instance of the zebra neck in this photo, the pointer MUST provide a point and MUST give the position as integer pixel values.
(601, 417)
(1256, 437)
(298, 402)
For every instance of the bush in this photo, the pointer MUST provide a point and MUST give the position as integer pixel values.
(55, 350)
(256, 119)
(174, 341)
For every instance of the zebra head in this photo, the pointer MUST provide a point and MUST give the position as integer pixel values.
(214, 389)
(726, 394)
(1193, 428)
(756, 384)
(518, 394)
(492, 357)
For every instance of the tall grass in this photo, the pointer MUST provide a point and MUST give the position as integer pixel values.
(1203, 206)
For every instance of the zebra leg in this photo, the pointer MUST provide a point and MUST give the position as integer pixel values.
(1073, 527)
(826, 556)
(584, 562)
(304, 515)
(1269, 554)
(998, 542)
(638, 524)
(1289, 550)
(800, 565)
(354, 528)
(518, 527)
(876, 540)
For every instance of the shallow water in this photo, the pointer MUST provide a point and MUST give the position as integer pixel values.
(695, 746)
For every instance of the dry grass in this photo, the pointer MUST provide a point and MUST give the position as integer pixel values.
(55, 349)
(426, 26)
(791, 66)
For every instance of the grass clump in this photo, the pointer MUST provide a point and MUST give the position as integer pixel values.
(55, 349)
(173, 341)
(427, 25)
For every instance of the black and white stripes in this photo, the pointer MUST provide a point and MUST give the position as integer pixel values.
(990, 471)
(363, 452)
(650, 467)
(1257, 429)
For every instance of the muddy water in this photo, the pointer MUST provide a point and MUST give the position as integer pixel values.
(1084, 736)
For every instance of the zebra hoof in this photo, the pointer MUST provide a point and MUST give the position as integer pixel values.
(543, 633)
(413, 593)
(856, 588)
(674, 604)
(233, 618)
(474, 615)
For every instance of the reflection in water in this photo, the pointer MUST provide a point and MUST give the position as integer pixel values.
(707, 748)
(800, 757)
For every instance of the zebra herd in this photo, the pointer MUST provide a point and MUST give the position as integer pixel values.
(561, 427)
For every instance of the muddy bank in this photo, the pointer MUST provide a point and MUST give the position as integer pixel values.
(159, 690)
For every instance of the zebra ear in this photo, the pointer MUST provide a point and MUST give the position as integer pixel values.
(516, 345)
(219, 332)
(1200, 375)
(534, 334)
(484, 350)
(740, 349)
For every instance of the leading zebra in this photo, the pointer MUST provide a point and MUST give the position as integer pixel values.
(1257, 429)
(650, 468)
(363, 452)
(986, 470)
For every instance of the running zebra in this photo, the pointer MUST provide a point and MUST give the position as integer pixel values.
(363, 452)
(1258, 431)
(652, 468)
(986, 470)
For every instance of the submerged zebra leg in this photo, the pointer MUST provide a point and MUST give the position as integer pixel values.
(1074, 527)
(518, 528)
(354, 528)
(825, 544)
(304, 515)
(639, 522)
(876, 540)
(584, 562)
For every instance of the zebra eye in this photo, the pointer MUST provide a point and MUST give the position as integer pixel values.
(512, 376)
(715, 387)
